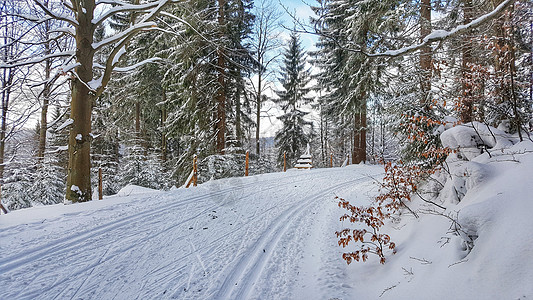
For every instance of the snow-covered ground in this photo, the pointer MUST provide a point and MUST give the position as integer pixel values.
(269, 236)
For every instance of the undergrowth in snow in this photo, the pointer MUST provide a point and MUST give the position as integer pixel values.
(471, 239)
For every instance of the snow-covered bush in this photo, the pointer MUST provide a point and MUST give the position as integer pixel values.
(15, 189)
(49, 184)
(475, 150)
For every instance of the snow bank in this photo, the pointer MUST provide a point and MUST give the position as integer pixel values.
(472, 139)
(132, 189)
(478, 247)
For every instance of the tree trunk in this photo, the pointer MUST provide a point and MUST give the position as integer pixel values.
(221, 93)
(359, 154)
(362, 134)
(44, 111)
(138, 120)
(238, 127)
(425, 52)
(322, 144)
(79, 144)
(6, 93)
(46, 95)
(7, 81)
(258, 111)
(467, 95)
(356, 138)
(163, 131)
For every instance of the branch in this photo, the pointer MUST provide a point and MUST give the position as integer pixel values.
(435, 36)
(139, 64)
(441, 35)
(123, 8)
(68, 30)
(146, 24)
(126, 34)
(56, 16)
(37, 60)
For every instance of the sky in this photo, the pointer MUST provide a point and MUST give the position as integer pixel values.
(301, 9)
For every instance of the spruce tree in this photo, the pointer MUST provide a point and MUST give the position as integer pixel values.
(48, 185)
(294, 135)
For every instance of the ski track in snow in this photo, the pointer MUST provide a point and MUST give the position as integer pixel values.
(240, 282)
(215, 245)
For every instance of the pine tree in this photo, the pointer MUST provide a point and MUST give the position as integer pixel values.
(293, 136)
(19, 172)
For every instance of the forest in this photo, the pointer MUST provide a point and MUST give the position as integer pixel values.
(138, 88)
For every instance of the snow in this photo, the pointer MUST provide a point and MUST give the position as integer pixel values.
(271, 236)
(67, 122)
(76, 189)
(134, 190)
(119, 54)
(95, 83)
(79, 137)
(232, 238)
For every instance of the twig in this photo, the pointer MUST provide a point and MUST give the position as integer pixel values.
(408, 272)
(456, 263)
(388, 289)
(422, 261)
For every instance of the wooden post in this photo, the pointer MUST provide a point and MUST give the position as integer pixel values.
(331, 160)
(100, 187)
(285, 161)
(195, 171)
(2, 207)
(246, 165)
(348, 159)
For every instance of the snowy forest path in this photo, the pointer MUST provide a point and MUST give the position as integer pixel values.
(240, 282)
(216, 241)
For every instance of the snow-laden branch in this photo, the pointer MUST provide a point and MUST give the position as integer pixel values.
(139, 64)
(68, 30)
(120, 41)
(441, 35)
(36, 60)
(60, 17)
(186, 23)
(123, 35)
(138, 8)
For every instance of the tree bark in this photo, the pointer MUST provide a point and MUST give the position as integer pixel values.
(79, 144)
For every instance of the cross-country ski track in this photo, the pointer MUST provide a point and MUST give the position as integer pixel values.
(269, 236)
